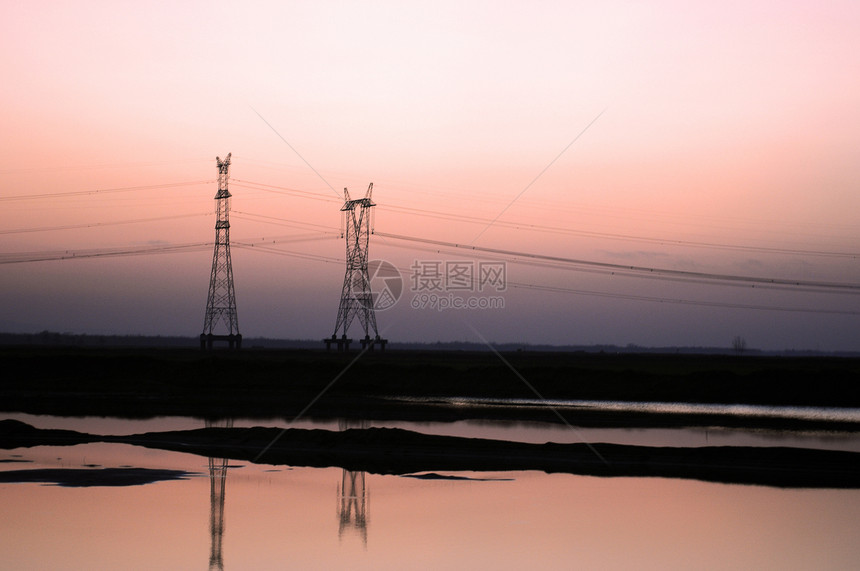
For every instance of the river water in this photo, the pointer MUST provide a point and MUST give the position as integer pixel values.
(240, 515)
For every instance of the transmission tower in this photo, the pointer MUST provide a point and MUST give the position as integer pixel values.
(221, 303)
(356, 298)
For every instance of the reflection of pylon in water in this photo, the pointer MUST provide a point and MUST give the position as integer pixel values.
(217, 490)
(352, 510)
(352, 496)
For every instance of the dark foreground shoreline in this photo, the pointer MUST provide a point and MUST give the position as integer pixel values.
(409, 385)
(396, 451)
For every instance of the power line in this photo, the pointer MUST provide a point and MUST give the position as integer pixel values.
(121, 251)
(98, 224)
(830, 287)
(266, 246)
(681, 301)
(102, 190)
(284, 221)
(605, 272)
(595, 293)
(283, 190)
(560, 230)
(25, 257)
(283, 240)
(289, 253)
(101, 166)
(667, 300)
(491, 199)
(615, 236)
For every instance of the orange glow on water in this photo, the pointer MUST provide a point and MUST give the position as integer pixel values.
(277, 514)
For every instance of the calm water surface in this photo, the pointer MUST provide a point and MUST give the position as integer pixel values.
(239, 515)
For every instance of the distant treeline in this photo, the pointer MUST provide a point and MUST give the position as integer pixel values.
(52, 338)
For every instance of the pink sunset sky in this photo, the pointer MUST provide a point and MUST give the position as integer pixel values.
(715, 138)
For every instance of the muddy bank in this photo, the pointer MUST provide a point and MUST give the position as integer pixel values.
(272, 383)
(88, 477)
(395, 451)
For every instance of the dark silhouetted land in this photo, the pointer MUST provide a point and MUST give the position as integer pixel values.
(395, 451)
(87, 477)
(409, 385)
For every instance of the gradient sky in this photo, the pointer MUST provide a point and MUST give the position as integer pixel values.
(718, 138)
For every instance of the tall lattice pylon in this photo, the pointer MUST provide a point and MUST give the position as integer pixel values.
(221, 303)
(356, 298)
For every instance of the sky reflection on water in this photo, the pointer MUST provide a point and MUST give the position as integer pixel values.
(829, 414)
(272, 517)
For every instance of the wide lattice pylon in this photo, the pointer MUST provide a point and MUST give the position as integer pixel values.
(221, 322)
(356, 298)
